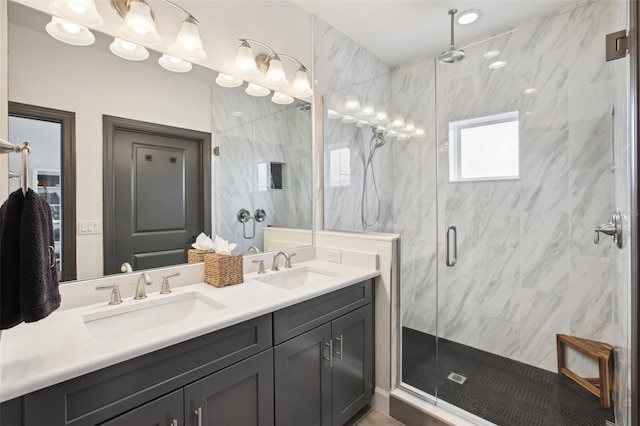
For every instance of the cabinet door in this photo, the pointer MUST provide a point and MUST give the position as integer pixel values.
(239, 395)
(352, 379)
(303, 379)
(164, 411)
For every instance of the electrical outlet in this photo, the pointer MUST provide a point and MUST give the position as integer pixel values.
(335, 256)
(88, 227)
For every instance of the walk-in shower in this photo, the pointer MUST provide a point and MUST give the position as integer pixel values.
(522, 155)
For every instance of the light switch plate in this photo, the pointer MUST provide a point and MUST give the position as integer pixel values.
(89, 227)
(335, 256)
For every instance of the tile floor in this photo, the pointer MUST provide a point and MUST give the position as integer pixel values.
(376, 418)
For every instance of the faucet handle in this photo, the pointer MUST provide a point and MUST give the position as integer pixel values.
(287, 263)
(126, 267)
(261, 267)
(166, 289)
(115, 299)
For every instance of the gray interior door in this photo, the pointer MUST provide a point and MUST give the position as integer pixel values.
(158, 198)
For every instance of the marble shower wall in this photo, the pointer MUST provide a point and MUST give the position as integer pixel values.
(527, 265)
(345, 70)
(282, 137)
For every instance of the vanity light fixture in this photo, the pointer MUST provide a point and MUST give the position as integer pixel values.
(410, 127)
(171, 63)
(352, 104)
(368, 110)
(403, 137)
(81, 12)
(139, 25)
(469, 16)
(271, 65)
(363, 123)
(226, 80)
(347, 119)
(127, 50)
(255, 90)
(419, 133)
(281, 99)
(397, 122)
(69, 32)
(381, 116)
(333, 115)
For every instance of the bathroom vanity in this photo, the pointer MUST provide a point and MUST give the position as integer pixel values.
(309, 362)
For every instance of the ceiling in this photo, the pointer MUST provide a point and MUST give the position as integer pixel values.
(396, 31)
(400, 31)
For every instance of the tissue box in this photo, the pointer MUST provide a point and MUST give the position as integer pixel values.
(221, 270)
(196, 255)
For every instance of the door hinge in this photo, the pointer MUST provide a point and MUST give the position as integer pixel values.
(617, 45)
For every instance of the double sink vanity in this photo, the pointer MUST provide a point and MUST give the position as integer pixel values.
(286, 347)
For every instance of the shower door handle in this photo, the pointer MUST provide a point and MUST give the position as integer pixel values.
(613, 229)
(451, 261)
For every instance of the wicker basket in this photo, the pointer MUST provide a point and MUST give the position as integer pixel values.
(196, 255)
(221, 270)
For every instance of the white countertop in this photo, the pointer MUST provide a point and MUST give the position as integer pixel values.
(61, 347)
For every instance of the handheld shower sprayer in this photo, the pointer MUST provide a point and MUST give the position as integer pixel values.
(377, 140)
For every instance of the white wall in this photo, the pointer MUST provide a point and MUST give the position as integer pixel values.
(93, 83)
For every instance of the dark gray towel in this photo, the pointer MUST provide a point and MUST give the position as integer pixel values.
(39, 293)
(10, 218)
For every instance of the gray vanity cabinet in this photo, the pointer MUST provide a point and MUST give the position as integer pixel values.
(324, 376)
(303, 379)
(240, 395)
(164, 411)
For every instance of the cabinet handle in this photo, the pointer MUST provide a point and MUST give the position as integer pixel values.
(198, 414)
(330, 359)
(341, 340)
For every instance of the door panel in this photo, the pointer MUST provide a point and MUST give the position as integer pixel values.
(240, 395)
(352, 380)
(158, 195)
(303, 379)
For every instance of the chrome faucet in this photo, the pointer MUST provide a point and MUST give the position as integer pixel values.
(144, 279)
(287, 262)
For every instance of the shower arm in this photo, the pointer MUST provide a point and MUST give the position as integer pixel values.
(452, 13)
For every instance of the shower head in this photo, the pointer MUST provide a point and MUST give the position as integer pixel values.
(378, 135)
(452, 55)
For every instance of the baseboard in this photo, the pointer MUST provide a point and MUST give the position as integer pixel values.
(380, 401)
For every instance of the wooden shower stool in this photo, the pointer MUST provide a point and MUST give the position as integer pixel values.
(600, 352)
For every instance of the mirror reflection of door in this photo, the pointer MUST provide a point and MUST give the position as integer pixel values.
(51, 135)
(156, 195)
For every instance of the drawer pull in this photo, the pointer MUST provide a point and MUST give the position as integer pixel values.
(330, 359)
(341, 340)
(198, 414)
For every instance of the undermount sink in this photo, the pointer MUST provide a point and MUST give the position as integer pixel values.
(290, 279)
(135, 317)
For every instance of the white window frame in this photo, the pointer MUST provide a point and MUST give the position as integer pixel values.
(455, 139)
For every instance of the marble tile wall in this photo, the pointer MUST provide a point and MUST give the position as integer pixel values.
(284, 137)
(527, 268)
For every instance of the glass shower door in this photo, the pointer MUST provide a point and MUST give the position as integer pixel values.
(524, 174)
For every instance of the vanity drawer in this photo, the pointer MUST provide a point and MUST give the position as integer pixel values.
(295, 320)
(104, 394)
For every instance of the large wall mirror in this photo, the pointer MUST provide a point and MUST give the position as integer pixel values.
(259, 178)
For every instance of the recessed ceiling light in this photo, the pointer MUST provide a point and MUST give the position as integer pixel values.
(491, 54)
(469, 16)
(497, 64)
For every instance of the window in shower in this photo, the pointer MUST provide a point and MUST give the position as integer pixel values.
(339, 167)
(484, 148)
